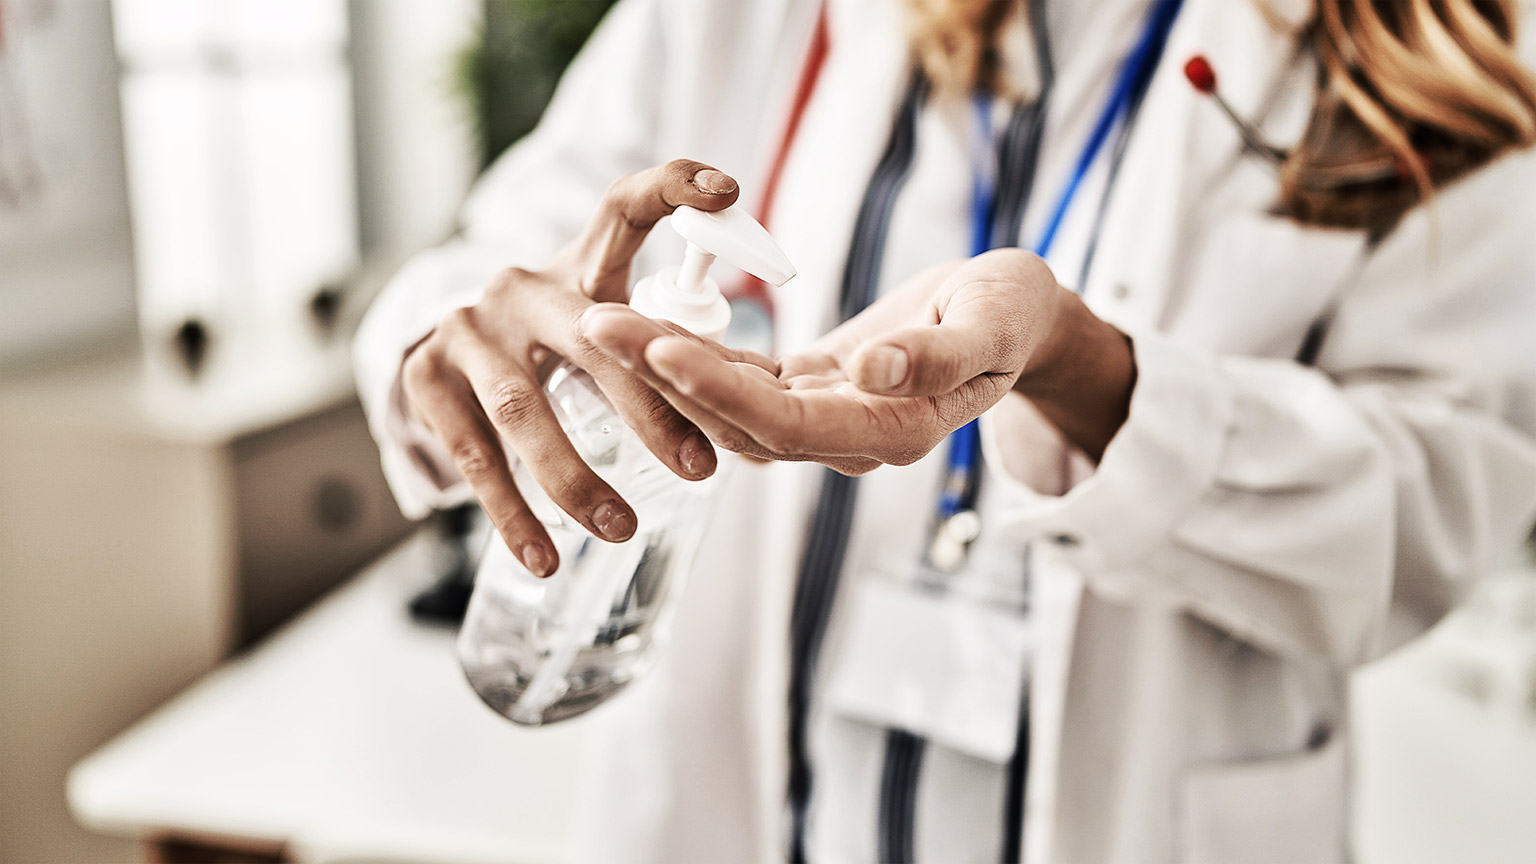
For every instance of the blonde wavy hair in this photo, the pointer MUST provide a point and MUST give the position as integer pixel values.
(1411, 95)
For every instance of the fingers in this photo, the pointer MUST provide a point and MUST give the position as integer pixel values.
(624, 335)
(669, 435)
(990, 313)
(631, 208)
(744, 408)
(515, 405)
(892, 310)
(444, 402)
(923, 361)
(622, 332)
(810, 422)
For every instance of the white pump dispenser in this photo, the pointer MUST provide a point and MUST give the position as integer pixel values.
(686, 295)
(542, 650)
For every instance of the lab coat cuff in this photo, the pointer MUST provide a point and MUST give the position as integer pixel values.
(1155, 470)
(417, 467)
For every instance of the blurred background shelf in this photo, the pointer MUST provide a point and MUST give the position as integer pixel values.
(148, 527)
(228, 161)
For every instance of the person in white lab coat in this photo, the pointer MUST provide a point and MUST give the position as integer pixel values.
(1282, 430)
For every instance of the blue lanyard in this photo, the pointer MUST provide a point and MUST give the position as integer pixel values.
(965, 442)
(1136, 72)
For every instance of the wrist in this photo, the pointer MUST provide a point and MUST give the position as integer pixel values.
(1081, 376)
(1071, 354)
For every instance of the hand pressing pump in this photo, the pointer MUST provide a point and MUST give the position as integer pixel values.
(543, 650)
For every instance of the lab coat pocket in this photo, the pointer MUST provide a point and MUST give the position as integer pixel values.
(941, 665)
(1282, 810)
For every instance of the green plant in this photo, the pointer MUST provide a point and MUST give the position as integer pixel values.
(508, 73)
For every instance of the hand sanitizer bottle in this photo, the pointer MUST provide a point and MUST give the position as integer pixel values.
(543, 650)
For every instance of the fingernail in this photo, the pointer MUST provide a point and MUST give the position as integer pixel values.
(712, 181)
(886, 368)
(537, 559)
(696, 456)
(613, 522)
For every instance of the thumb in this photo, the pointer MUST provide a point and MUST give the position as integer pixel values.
(919, 361)
(631, 207)
(991, 313)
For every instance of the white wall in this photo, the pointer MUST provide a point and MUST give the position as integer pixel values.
(66, 272)
(416, 148)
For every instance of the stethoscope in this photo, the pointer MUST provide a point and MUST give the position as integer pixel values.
(1201, 75)
(1000, 189)
(957, 523)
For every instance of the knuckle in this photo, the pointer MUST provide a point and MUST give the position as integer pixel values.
(583, 352)
(683, 168)
(680, 171)
(513, 403)
(511, 279)
(474, 459)
(569, 484)
(516, 527)
(616, 190)
(658, 412)
(457, 322)
(510, 528)
(422, 367)
(617, 200)
(577, 482)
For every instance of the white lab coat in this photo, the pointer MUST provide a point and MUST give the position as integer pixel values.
(1258, 527)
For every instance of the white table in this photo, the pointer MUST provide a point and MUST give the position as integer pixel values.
(350, 735)
(1445, 737)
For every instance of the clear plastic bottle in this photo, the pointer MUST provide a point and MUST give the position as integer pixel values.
(543, 650)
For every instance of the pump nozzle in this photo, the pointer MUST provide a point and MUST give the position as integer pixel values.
(735, 236)
(686, 295)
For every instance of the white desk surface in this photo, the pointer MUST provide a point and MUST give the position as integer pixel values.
(349, 735)
(1439, 778)
(1444, 771)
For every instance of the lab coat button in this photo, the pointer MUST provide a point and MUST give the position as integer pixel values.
(1121, 291)
(1067, 540)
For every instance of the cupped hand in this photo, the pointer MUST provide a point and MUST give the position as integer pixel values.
(884, 388)
(476, 380)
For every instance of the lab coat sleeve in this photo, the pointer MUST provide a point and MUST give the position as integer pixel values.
(1333, 511)
(536, 198)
